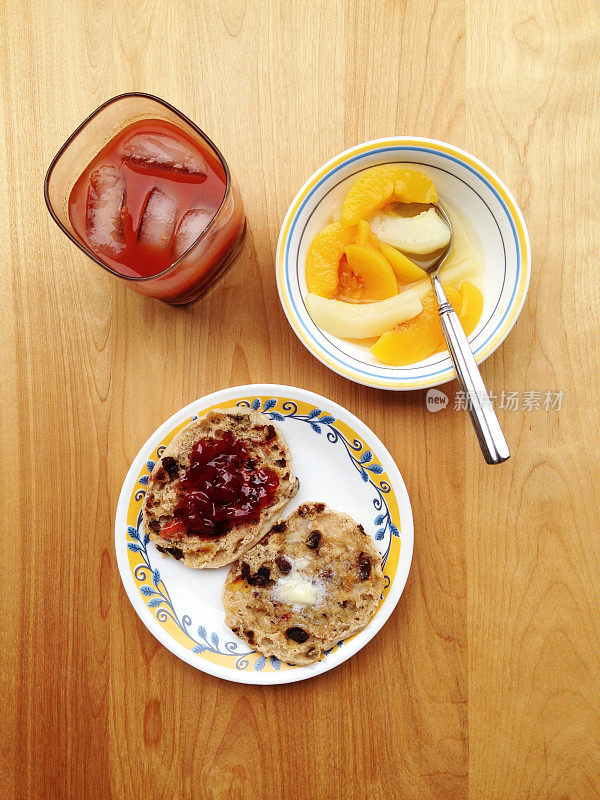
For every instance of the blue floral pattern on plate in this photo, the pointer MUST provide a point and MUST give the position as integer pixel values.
(363, 463)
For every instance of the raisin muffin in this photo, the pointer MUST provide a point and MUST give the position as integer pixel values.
(313, 580)
(218, 487)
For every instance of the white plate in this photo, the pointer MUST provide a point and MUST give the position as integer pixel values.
(338, 460)
(468, 186)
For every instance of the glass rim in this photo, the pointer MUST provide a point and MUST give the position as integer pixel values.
(74, 135)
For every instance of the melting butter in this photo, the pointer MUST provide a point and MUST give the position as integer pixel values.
(296, 590)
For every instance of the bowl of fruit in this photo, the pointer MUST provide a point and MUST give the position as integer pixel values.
(350, 249)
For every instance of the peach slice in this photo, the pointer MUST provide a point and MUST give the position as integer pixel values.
(468, 304)
(405, 270)
(455, 300)
(471, 306)
(412, 186)
(363, 232)
(384, 184)
(365, 235)
(454, 297)
(323, 259)
(413, 340)
(372, 191)
(417, 338)
(351, 287)
(368, 278)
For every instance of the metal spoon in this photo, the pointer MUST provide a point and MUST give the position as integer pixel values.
(489, 433)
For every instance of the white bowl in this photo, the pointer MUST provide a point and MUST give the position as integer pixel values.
(467, 185)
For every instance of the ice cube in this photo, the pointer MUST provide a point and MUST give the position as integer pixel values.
(193, 223)
(158, 220)
(163, 152)
(104, 210)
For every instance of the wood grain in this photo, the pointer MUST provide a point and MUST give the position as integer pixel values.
(485, 683)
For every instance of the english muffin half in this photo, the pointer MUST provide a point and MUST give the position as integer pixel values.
(312, 581)
(218, 487)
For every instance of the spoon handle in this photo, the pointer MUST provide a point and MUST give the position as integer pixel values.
(489, 433)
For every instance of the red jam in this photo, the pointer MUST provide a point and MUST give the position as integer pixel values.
(223, 487)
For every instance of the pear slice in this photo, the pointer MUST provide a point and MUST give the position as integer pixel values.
(365, 320)
(421, 234)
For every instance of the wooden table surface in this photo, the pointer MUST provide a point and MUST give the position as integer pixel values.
(485, 682)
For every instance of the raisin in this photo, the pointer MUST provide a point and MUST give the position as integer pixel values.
(281, 462)
(270, 434)
(283, 564)
(313, 540)
(249, 636)
(319, 507)
(364, 567)
(171, 466)
(279, 527)
(260, 578)
(176, 552)
(302, 510)
(297, 635)
(154, 525)
(361, 529)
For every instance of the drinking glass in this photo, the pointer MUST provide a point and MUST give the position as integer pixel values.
(197, 269)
